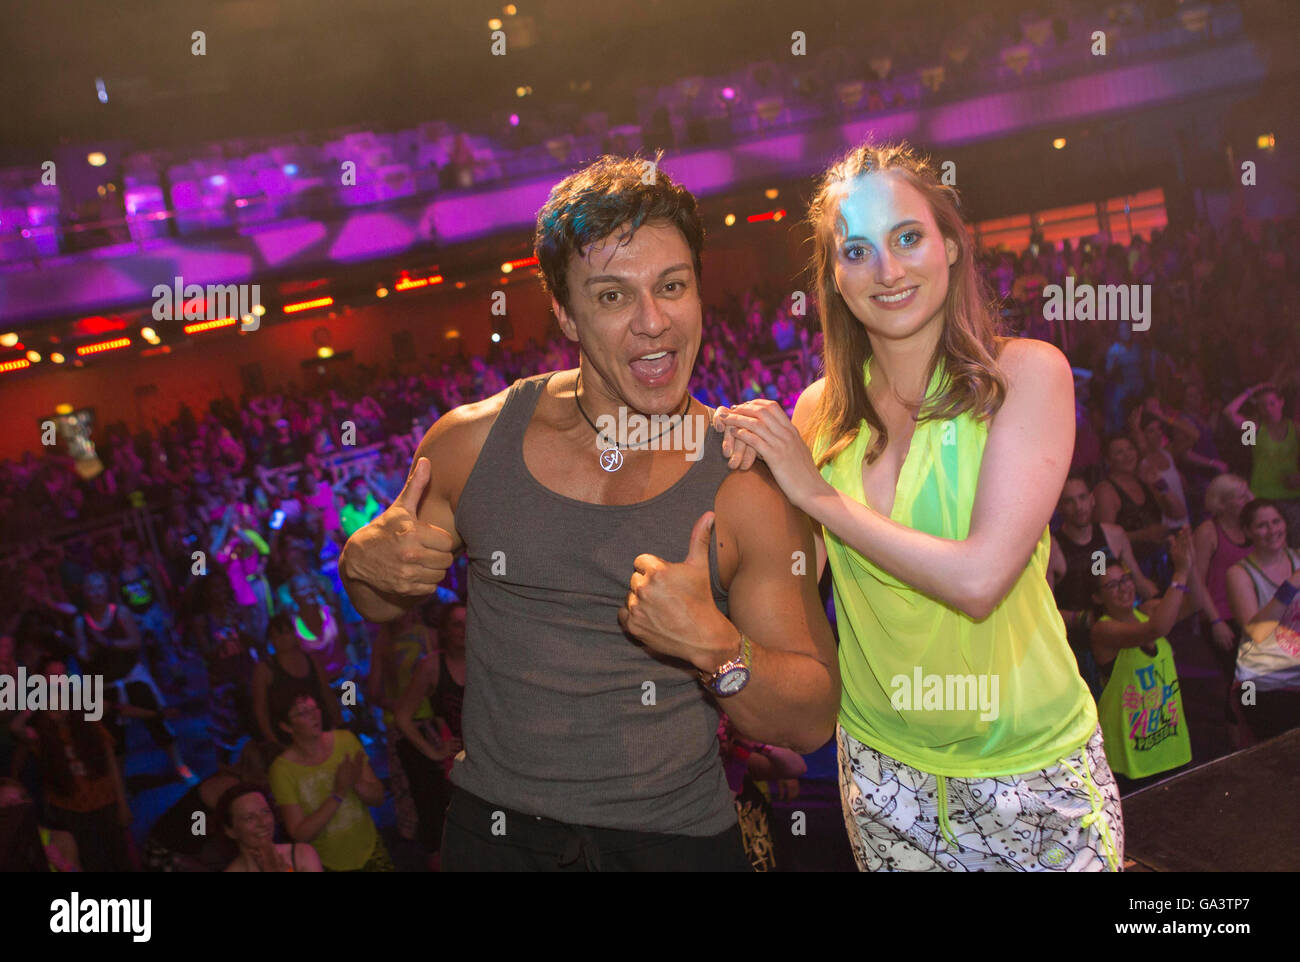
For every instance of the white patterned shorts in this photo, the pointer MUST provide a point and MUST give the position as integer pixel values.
(1065, 818)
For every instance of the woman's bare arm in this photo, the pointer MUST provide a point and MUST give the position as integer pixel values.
(1110, 637)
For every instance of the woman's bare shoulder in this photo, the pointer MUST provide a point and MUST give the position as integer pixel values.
(807, 403)
(1027, 355)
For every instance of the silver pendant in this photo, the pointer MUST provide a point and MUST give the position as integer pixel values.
(611, 459)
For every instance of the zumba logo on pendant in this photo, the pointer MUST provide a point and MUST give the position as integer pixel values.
(611, 459)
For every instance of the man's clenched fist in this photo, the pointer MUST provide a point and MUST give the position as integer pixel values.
(670, 607)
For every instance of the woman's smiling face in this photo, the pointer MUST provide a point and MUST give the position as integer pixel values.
(891, 261)
(252, 821)
(1267, 530)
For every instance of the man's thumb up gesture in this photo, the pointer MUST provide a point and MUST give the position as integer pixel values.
(397, 553)
(670, 605)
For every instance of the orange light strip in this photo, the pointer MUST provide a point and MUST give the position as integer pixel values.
(526, 262)
(116, 344)
(410, 284)
(202, 326)
(308, 305)
(770, 215)
(17, 365)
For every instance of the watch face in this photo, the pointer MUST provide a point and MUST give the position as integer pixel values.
(733, 681)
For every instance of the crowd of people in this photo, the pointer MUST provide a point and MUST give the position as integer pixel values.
(1185, 480)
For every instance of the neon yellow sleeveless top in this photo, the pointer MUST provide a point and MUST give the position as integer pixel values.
(1141, 708)
(922, 681)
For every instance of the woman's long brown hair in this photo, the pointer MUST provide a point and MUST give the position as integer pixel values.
(967, 343)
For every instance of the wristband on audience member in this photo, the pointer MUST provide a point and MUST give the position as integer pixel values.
(1180, 587)
(1285, 594)
(337, 797)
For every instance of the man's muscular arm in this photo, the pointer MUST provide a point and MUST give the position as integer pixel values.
(793, 695)
(794, 688)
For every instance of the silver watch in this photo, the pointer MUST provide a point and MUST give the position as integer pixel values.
(731, 677)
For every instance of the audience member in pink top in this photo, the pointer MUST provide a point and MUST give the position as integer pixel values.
(1220, 543)
(317, 492)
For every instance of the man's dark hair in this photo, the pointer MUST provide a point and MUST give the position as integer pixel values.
(598, 200)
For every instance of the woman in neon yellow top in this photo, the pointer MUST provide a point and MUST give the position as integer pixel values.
(967, 738)
(1141, 707)
(323, 784)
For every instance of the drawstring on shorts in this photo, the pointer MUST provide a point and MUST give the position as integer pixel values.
(1097, 815)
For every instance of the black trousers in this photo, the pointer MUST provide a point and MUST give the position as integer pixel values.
(528, 843)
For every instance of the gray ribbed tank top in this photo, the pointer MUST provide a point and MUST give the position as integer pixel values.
(554, 719)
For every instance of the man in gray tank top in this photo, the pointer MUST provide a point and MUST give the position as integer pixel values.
(623, 581)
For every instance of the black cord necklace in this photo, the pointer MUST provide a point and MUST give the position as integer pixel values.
(611, 459)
